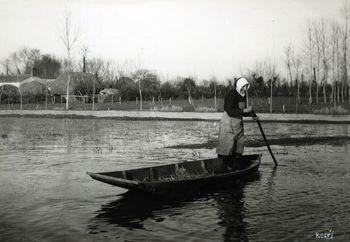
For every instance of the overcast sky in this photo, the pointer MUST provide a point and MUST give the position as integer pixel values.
(176, 37)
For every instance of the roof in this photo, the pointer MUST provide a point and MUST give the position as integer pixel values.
(32, 88)
(59, 86)
(14, 78)
(37, 79)
(109, 91)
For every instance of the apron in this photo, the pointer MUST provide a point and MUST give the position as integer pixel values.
(231, 139)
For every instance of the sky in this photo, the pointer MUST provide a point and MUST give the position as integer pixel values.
(203, 39)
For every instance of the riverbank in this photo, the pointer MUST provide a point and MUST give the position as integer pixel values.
(146, 115)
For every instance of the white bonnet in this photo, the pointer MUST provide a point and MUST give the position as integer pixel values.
(241, 82)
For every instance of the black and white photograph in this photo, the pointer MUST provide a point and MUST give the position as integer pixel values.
(174, 120)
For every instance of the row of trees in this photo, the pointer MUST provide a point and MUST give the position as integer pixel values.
(322, 61)
(318, 69)
(130, 80)
(31, 61)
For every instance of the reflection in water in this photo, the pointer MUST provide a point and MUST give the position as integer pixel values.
(135, 210)
(289, 141)
(231, 213)
(132, 209)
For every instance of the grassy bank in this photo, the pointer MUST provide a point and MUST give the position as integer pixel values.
(261, 105)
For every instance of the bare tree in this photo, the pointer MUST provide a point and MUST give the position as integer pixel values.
(271, 74)
(324, 44)
(109, 72)
(335, 35)
(126, 68)
(140, 76)
(27, 58)
(309, 55)
(318, 55)
(339, 70)
(289, 55)
(105, 69)
(84, 53)
(296, 61)
(22, 61)
(6, 62)
(346, 14)
(15, 60)
(214, 81)
(69, 37)
(260, 68)
(95, 66)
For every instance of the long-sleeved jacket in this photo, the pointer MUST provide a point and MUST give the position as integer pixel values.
(234, 105)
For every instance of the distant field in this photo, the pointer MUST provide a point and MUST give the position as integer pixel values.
(261, 105)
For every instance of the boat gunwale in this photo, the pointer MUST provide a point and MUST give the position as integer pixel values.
(116, 179)
(133, 183)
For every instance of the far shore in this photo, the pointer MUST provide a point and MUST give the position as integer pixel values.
(157, 115)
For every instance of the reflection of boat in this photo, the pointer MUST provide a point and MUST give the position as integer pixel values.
(184, 176)
(130, 218)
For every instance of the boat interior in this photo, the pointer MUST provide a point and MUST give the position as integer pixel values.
(184, 170)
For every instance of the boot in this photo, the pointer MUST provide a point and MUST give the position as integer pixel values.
(232, 163)
(240, 161)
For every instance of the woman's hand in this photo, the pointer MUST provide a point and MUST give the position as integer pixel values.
(255, 118)
(248, 110)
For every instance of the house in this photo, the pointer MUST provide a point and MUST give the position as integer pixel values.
(80, 85)
(109, 95)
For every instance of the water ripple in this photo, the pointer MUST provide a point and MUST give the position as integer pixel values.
(46, 194)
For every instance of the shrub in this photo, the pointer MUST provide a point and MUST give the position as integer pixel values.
(205, 109)
(167, 108)
(331, 110)
(188, 108)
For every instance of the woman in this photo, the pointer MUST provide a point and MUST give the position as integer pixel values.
(230, 147)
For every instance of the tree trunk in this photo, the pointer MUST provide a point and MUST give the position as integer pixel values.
(310, 93)
(271, 97)
(316, 85)
(335, 96)
(84, 64)
(296, 97)
(189, 95)
(2, 90)
(67, 94)
(324, 91)
(93, 95)
(140, 92)
(302, 80)
(316, 93)
(46, 97)
(342, 92)
(20, 93)
(215, 104)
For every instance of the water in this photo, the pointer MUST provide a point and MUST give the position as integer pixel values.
(45, 194)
